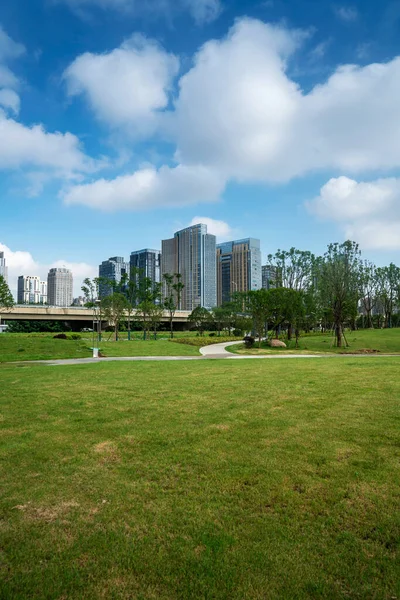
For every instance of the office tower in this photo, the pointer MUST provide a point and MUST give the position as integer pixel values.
(238, 268)
(268, 277)
(59, 287)
(148, 262)
(191, 253)
(112, 269)
(31, 290)
(3, 267)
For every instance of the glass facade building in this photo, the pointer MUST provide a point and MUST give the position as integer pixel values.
(112, 269)
(238, 268)
(3, 267)
(191, 253)
(148, 262)
(268, 277)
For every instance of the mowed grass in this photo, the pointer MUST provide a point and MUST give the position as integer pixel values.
(209, 479)
(386, 341)
(43, 346)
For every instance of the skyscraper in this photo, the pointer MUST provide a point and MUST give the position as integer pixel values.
(191, 253)
(112, 269)
(268, 277)
(148, 262)
(31, 290)
(238, 268)
(59, 287)
(3, 267)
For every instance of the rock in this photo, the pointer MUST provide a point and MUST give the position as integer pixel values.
(277, 344)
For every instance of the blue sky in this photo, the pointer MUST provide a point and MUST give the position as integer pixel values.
(122, 121)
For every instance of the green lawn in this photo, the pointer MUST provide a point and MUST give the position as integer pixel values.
(201, 480)
(386, 341)
(43, 346)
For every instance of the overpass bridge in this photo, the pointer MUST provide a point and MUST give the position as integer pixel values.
(76, 316)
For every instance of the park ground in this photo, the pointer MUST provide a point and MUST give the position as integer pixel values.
(206, 479)
(43, 346)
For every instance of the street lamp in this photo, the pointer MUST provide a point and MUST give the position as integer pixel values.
(96, 303)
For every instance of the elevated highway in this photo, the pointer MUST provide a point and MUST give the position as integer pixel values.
(76, 316)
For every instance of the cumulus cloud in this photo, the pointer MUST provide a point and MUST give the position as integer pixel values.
(368, 212)
(21, 262)
(220, 229)
(126, 86)
(240, 116)
(9, 99)
(203, 11)
(149, 188)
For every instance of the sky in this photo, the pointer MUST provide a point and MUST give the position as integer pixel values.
(122, 121)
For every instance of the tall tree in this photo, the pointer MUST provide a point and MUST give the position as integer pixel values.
(388, 290)
(338, 283)
(114, 308)
(6, 299)
(257, 304)
(368, 289)
(173, 293)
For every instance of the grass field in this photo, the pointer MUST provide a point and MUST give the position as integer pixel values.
(202, 480)
(386, 341)
(43, 346)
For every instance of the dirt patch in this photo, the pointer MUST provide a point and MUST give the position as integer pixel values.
(47, 514)
(362, 351)
(108, 452)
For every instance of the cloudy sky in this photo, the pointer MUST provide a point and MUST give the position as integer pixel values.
(122, 121)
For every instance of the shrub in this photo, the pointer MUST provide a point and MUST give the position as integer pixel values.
(212, 334)
(74, 336)
(237, 332)
(60, 336)
(204, 341)
(249, 341)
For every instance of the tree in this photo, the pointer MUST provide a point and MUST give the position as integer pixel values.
(114, 307)
(91, 292)
(388, 281)
(200, 316)
(130, 287)
(368, 289)
(258, 306)
(173, 292)
(6, 299)
(150, 309)
(338, 284)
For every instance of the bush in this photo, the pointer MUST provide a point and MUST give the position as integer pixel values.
(60, 336)
(237, 332)
(74, 336)
(249, 341)
(212, 334)
(204, 341)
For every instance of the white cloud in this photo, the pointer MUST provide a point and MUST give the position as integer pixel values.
(239, 116)
(368, 212)
(9, 99)
(203, 11)
(9, 48)
(221, 229)
(348, 14)
(21, 262)
(126, 86)
(149, 188)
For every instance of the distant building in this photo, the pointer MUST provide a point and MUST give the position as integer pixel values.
(31, 290)
(59, 287)
(238, 268)
(3, 267)
(148, 262)
(268, 277)
(191, 253)
(79, 301)
(112, 269)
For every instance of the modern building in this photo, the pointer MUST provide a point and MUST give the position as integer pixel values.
(148, 262)
(3, 267)
(79, 301)
(238, 268)
(31, 290)
(191, 253)
(268, 277)
(59, 287)
(112, 269)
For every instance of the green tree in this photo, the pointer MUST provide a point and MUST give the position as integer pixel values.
(114, 308)
(200, 317)
(257, 305)
(388, 281)
(368, 289)
(172, 299)
(6, 299)
(338, 284)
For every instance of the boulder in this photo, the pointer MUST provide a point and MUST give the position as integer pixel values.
(277, 344)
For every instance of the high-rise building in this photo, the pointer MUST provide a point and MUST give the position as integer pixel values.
(191, 253)
(268, 277)
(112, 269)
(31, 290)
(3, 267)
(148, 262)
(59, 287)
(238, 268)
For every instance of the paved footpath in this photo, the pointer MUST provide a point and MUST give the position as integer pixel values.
(214, 351)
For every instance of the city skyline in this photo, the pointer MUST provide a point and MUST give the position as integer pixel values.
(121, 125)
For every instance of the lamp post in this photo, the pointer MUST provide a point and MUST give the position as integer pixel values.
(96, 304)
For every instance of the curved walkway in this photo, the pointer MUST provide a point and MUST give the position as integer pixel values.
(213, 351)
